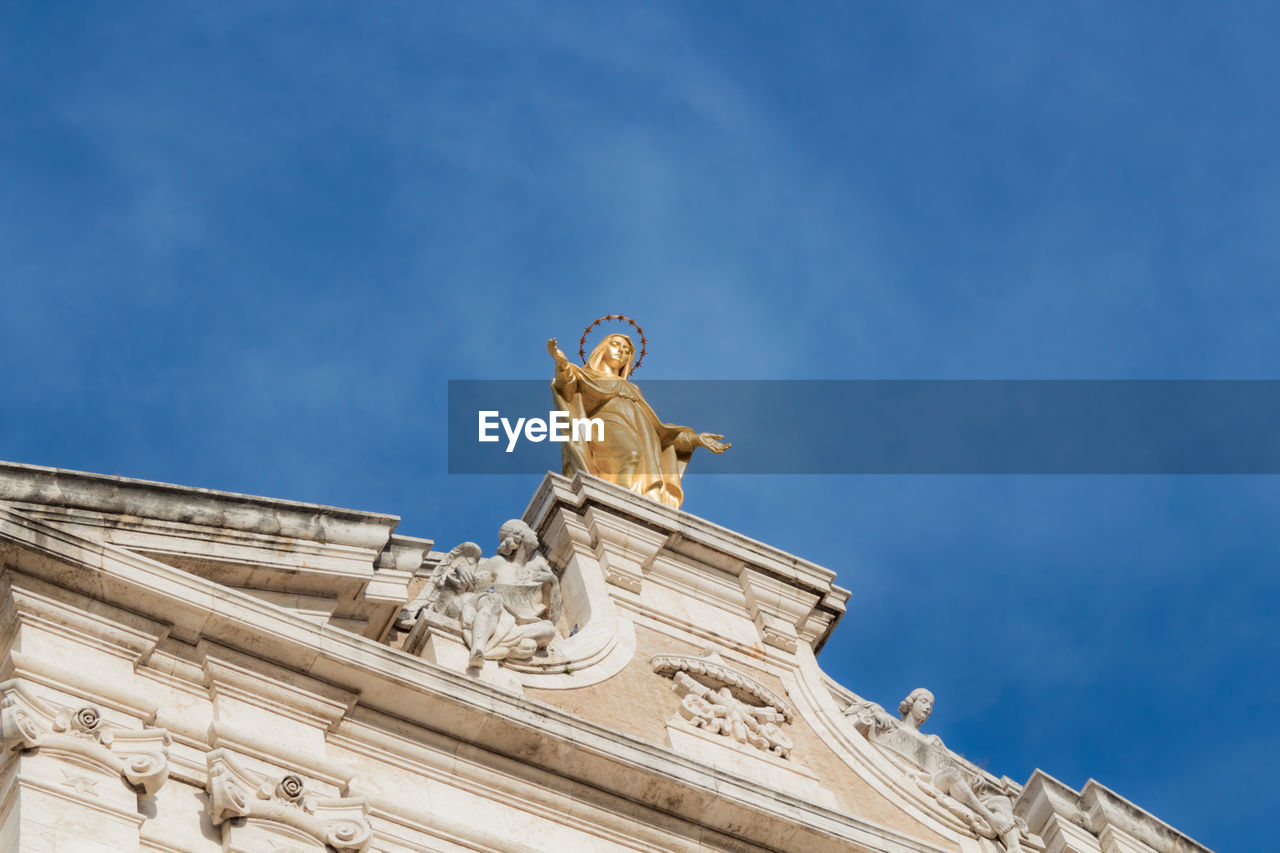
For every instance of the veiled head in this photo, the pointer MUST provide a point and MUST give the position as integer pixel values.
(614, 354)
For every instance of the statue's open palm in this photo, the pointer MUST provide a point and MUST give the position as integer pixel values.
(711, 441)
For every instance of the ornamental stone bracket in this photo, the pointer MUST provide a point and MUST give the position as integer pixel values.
(1095, 819)
(84, 737)
(281, 812)
(654, 560)
(723, 701)
(780, 610)
(624, 550)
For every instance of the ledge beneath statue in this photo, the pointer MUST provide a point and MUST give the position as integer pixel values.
(789, 599)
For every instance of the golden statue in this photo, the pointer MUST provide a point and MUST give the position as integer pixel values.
(638, 451)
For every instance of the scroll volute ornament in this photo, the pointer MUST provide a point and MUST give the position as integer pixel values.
(340, 822)
(140, 756)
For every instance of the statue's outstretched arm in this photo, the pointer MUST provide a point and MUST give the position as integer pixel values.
(564, 368)
(712, 441)
(689, 440)
(558, 354)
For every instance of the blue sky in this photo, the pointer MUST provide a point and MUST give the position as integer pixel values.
(245, 246)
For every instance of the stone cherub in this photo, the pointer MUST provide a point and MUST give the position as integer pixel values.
(507, 606)
(960, 790)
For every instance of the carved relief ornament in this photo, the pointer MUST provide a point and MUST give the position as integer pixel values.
(505, 606)
(340, 823)
(140, 757)
(723, 701)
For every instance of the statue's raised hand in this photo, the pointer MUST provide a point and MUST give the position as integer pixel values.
(555, 352)
(711, 441)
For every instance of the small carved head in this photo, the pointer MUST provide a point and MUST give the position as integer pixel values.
(514, 535)
(916, 708)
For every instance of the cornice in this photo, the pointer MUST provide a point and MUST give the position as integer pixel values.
(168, 502)
(811, 588)
(436, 699)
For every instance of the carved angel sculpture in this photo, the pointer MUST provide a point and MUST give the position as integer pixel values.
(507, 605)
(452, 575)
(720, 712)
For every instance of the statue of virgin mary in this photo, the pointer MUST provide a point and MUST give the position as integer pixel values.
(638, 451)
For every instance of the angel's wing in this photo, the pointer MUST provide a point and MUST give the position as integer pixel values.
(457, 569)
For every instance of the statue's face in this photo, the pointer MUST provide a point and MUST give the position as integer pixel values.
(921, 708)
(508, 544)
(617, 352)
(510, 540)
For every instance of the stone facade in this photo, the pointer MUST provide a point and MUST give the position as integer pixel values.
(187, 670)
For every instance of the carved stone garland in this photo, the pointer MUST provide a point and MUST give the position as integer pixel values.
(341, 823)
(723, 701)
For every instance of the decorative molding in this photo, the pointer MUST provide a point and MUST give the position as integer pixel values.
(776, 634)
(624, 550)
(620, 577)
(796, 592)
(1095, 818)
(777, 607)
(596, 754)
(725, 702)
(712, 670)
(141, 757)
(242, 677)
(342, 823)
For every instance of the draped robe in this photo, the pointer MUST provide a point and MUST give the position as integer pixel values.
(639, 452)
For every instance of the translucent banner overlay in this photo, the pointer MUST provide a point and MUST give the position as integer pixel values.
(912, 427)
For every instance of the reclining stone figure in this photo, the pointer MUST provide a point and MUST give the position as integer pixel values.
(960, 790)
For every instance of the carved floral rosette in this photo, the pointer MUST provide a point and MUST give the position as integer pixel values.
(140, 757)
(726, 702)
(236, 792)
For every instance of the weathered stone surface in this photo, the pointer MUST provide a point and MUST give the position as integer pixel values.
(236, 651)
